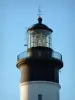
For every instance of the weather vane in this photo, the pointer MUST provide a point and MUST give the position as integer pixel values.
(39, 12)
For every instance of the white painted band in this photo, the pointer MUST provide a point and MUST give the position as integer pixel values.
(44, 82)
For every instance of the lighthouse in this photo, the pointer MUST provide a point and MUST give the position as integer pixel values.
(39, 65)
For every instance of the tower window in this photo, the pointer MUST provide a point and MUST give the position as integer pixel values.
(39, 38)
(39, 96)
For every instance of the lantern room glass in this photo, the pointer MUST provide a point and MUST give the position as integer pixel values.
(39, 38)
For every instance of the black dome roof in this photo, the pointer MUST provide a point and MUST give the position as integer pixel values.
(39, 25)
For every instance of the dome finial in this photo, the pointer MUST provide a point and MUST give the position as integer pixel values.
(39, 16)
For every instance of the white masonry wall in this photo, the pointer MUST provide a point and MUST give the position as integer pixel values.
(31, 90)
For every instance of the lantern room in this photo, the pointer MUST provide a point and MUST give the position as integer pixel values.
(39, 35)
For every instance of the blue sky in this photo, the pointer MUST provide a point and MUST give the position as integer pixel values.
(15, 17)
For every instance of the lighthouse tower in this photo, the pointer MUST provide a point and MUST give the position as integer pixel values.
(39, 65)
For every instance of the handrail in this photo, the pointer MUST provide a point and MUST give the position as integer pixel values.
(55, 55)
(22, 55)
